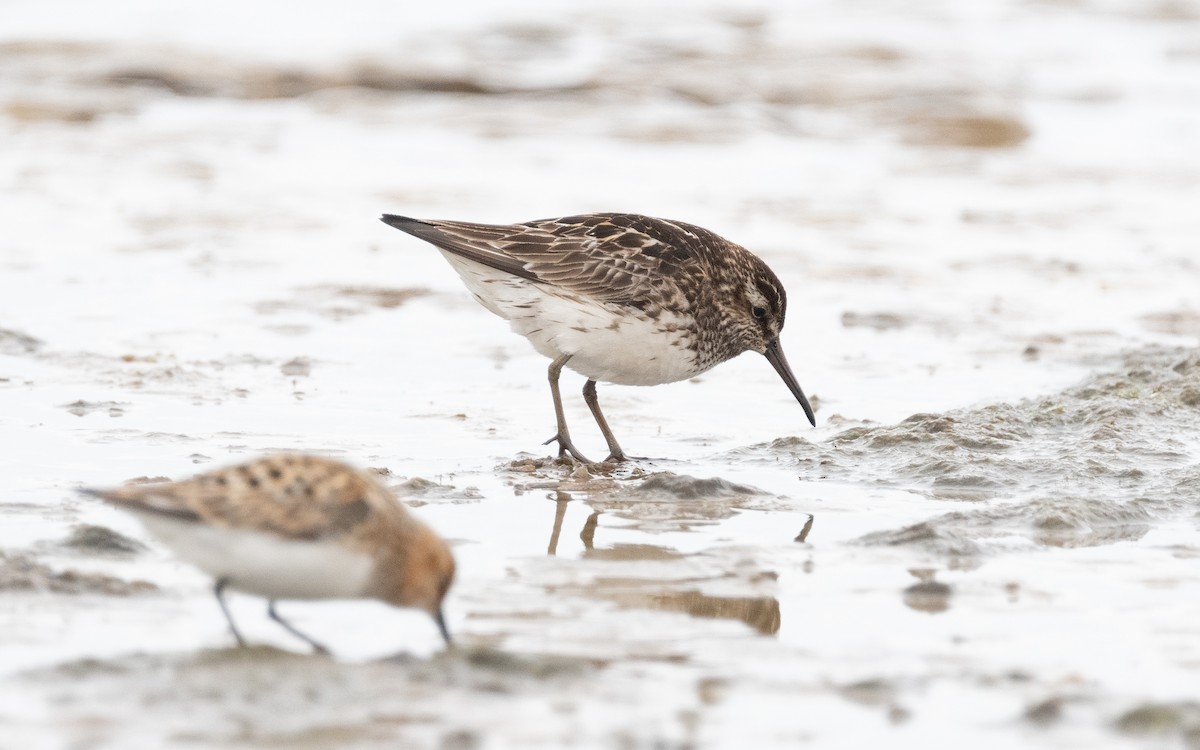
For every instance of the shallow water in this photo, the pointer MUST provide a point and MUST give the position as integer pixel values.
(984, 215)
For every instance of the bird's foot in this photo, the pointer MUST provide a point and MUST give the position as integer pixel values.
(567, 448)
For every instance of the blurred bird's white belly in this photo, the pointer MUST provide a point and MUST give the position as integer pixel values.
(266, 564)
(605, 343)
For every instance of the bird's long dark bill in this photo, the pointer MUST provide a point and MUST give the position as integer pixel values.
(440, 619)
(775, 356)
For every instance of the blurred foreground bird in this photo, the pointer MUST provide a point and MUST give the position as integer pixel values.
(296, 527)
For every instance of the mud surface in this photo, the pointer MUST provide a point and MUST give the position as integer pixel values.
(20, 573)
(984, 214)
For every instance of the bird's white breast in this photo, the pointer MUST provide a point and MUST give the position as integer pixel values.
(266, 564)
(605, 343)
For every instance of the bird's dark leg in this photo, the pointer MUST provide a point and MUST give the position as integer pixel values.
(292, 629)
(219, 591)
(563, 437)
(588, 534)
(559, 512)
(589, 396)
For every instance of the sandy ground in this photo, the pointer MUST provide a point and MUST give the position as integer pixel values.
(985, 217)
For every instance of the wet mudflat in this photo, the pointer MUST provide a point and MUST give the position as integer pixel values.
(984, 215)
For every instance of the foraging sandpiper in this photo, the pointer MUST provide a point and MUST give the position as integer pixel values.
(619, 298)
(296, 527)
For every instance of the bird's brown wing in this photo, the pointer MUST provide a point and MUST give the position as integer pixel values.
(298, 497)
(618, 258)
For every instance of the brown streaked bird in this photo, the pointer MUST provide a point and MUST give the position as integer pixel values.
(618, 298)
(296, 527)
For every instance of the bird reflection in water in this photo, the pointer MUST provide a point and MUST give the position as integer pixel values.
(759, 612)
(804, 532)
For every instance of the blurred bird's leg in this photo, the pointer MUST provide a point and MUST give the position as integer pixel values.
(219, 591)
(317, 647)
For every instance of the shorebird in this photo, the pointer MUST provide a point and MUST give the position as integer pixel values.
(618, 298)
(296, 527)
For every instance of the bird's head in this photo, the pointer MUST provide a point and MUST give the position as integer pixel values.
(425, 575)
(759, 308)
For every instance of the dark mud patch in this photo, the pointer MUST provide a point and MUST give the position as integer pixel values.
(1098, 463)
(877, 692)
(523, 666)
(966, 131)
(101, 540)
(225, 80)
(22, 573)
(156, 373)
(15, 343)
(1045, 713)
(148, 480)
(683, 487)
(83, 408)
(933, 536)
(562, 468)
(297, 367)
(879, 321)
(1166, 10)
(1063, 521)
(341, 302)
(1162, 720)
(418, 491)
(41, 111)
(377, 296)
(1175, 322)
(872, 692)
(154, 438)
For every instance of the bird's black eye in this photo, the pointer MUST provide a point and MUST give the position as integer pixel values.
(759, 312)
